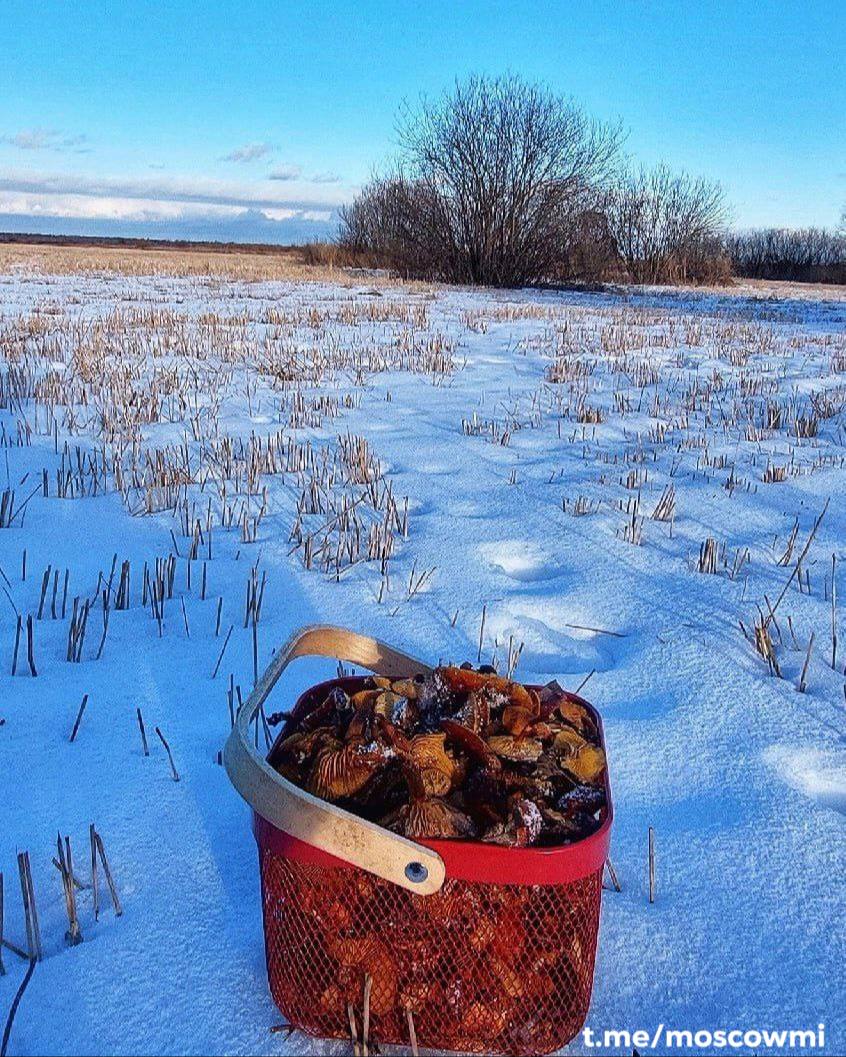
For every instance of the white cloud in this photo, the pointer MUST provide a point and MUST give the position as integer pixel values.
(326, 178)
(102, 207)
(299, 195)
(318, 215)
(285, 172)
(164, 206)
(249, 152)
(47, 139)
(143, 210)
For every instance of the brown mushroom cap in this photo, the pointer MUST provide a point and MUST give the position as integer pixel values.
(340, 772)
(432, 818)
(518, 750)
(587, 764)
(568, 742)
(437, 770)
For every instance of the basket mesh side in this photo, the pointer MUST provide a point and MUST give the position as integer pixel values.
(483, 968)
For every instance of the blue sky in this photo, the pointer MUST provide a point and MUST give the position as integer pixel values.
(224, 119)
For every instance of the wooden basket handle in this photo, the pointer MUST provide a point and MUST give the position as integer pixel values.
(306, 817)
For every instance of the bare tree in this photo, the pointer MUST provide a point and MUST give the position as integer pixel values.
(494, 176)
(384, 223)
(798, 255)
(666, 225)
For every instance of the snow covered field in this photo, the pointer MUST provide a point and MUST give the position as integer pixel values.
(534, 435)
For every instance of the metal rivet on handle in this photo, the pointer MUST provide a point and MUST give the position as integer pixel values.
(416, 872)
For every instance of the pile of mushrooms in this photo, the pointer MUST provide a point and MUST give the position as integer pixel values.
(461, 753)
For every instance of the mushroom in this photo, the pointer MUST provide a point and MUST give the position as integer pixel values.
(587, 764)
(430, 818)
(341, 772)
(518, 750)
(437, 770)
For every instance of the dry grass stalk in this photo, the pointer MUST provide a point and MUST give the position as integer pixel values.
(416, 582)
(30, 646)
(76, 629)
(632, 530)
(353, 1029)
(612, 873)
(7, 506)
(412, 1032)
(775, 474)
(17, 646)
(33, 931)
(78, 885)
(802, 683)
(223, 650)
(581, 507)
(764, 644)
(95, 889)
(597, 631)
(665, 508)
(584, 681)
(791, 542)
(101, 851)
(163, 740)
(65, 864)
(482, 632)
(78, 719)
(797, 568)
(513, 657)
(709, 556)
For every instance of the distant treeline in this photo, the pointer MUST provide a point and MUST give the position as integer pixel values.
(500, 182)
(805, 255)
(116, 242)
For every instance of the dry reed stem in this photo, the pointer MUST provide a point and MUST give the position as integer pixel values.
(33, 931)
(412, 1032)
(173, 771)
(144, 744)
(802, 683)
(353, 1029)
(108, 874)
(78, 719)
(612, 873)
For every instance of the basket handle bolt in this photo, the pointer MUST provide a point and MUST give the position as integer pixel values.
(416, 872)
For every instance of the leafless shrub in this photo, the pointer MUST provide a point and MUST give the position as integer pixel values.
(667, 226)
(389, 225)
(494, 179)
(587, 251)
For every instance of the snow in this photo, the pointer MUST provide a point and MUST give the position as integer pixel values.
(742, 777)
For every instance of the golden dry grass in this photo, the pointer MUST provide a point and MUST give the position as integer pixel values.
(321, 263)
(283, 264)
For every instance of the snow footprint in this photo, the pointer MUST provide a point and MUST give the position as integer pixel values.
(520, 560)
(550, 648)
(818, 774)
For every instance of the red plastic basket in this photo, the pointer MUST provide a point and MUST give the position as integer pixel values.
(500, 960)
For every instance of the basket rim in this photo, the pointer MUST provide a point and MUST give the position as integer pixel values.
(465, 860)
